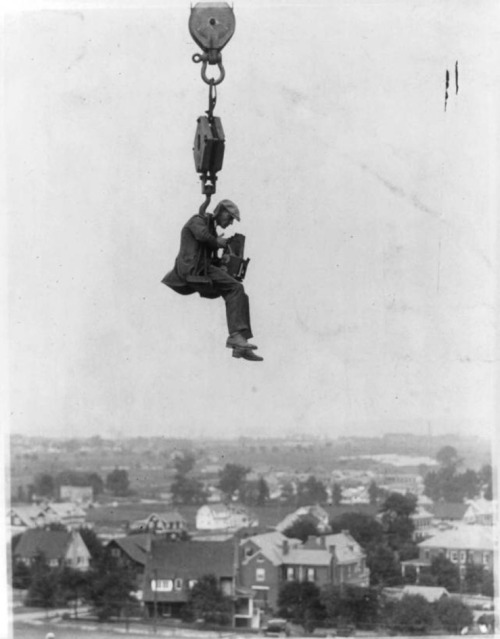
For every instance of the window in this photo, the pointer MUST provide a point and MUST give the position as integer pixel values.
(192, 583)
(115, 552)
(53, 563)
(454, 556)
(162, 585)
(290, 574)
(486, 558)
(260, 574)
(310, 575)
(178, 584)
(463, 556)
(427, 554)
(249, 551)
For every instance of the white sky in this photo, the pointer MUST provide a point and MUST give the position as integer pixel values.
(370, 215)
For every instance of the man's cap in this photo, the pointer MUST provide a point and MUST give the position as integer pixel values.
(230, 207)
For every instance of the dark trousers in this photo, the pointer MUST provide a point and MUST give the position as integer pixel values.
(237, 303)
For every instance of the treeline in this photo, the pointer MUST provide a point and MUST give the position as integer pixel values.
(346, 608)
(49, 486)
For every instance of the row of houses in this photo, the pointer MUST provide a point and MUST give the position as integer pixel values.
(250, 569)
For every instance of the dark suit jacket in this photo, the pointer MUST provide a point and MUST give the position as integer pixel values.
(197, 249)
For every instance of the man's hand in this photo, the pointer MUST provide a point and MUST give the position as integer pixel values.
(222, 242)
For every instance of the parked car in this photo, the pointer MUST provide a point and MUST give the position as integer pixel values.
(277, 628)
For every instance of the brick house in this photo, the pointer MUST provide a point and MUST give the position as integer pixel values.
(59, 548)
(261, 558)
(270, 559)
(462, 545)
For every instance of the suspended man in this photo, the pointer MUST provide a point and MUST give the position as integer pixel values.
(198, 269)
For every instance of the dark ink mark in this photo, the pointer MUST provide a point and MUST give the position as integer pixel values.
(456, 77)
(447, 84)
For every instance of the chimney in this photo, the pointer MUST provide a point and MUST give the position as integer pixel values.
(286, 546)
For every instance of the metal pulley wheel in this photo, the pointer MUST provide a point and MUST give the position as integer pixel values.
(211, 25)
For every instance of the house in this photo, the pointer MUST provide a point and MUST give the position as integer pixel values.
(462, 545)
(170, 523)
(316, 513)
(58, 548)
(422, 522)
(77, 494)
(224, 517)
(23, 517)
(260, 561)
(480, 511)
(66, 513)
(350, 558)
(132, 551)
(270, 559)
(172, 569)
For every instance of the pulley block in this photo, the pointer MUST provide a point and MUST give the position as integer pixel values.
(211, 25)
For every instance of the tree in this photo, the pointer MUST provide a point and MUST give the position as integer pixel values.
(288, 493)
(365, 529)
(302, 528)
(300, 601)
(336, 494)
(373, 492)
(44, 485)
(109, 587)
(187, 490)
(446, 573)
(384, 567)
(73, 583)
(412, 615)
(208, 602)
(350, 604)
(43, 590)
(184, 463)
(486, 480)
(453, 614)
(117, 482)
(231, 478)
(474, 577)
(311, 491)
(447, 457)
(446, 484)
(254, 493)
(396, 520)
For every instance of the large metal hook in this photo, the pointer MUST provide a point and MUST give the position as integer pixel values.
(203, 208)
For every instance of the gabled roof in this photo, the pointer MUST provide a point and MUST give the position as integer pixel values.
(191, 559)
(53, 544)
(134, 546)
(27, 513)
(473, 537)
(447, 510)
(271, 545)
(347, 549)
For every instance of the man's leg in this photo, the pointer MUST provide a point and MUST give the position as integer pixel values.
(237, 303)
